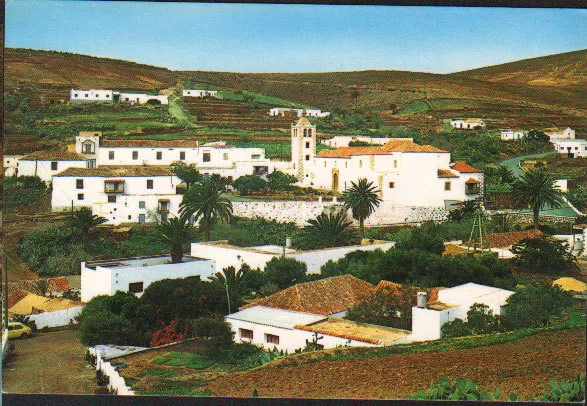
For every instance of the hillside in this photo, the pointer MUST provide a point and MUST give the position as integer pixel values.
(65, 70)
(567, 70)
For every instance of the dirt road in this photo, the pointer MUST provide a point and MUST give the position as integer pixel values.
(49, 363)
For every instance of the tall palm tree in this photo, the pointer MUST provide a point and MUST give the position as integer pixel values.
(176, 231)
(505, 174)
(362, 198)
(83, 221)
(234, 282)
(535, 189)
(205, 202)
(328, 230)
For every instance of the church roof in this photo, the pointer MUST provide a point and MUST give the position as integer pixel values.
(303, 121)
(397, 145)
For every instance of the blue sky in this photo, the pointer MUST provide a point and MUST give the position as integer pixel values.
(294, 38)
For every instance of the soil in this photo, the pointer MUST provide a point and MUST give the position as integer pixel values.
(524, 367)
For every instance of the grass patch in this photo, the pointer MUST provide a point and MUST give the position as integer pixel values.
(180, 359)
(417, 106)
(16, 196)
(253, 97)
(172, 387)
(160, 373)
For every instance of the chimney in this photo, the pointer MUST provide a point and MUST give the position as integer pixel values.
(288, 242)
(422, 299)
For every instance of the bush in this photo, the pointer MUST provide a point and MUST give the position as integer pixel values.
(455, 328)
(480, 320)
(543, 255)
(249, 183)
(219, 337)
(567, 391)
(421, 239)
(280, 181)
(285, 272)
(462, 389)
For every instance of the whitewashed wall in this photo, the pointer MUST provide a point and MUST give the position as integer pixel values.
(43, 170)
(283, 211)
(116, 382)
(57, 318)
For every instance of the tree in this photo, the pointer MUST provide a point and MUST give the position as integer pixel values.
(280, 181)
(533, 305)
(543, 255)
(505, 174)
(187, 173)
(536, 135)
(421, 239)
(362, 199)
(234, 283)
(83, 221)
(176, 231)
(465, 210)
(249, 183)
(205, 202)
(326, 231)
(536, 189)
(285, 272)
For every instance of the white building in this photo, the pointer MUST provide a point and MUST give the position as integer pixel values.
(344, 140)
(212, 158)
(143, 98)
(453, 303)
(287, 111)
(511, 135)
(10, 164)
(45, 164)
(572, 148)
(467, 123)
(119, 194)
(560, 134)
(93, 95)
(134, 275)
(226, 255)
(200, 93)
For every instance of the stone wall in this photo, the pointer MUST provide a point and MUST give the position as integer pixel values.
(529, 218)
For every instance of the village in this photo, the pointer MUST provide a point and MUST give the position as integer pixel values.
(337, 232)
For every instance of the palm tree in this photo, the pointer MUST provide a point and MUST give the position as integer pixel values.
(176, 231)
(234, 282)
(362, 198)
(535, 189)
(328, 230)
(83, 220)
(205, 202)
(505, 174)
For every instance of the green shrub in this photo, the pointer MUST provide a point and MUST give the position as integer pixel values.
(249, 183)
(462, 389)
(284, 271)
(567, 391)
(543, 255)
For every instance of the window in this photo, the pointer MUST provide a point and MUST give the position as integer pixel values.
(247, 334)
(307, 157)
(75, 95)
(307, 144)
(135, 287)
(305, 132)
(53, 166)
(159, 155)
(446, 185)
(225, 156)
(116, 186)
(391, 185)
(141, 218)
(80, 196)
(111, 155)
(141, 205)
(107, 96)
(271, 339)
(97, 95)
(135, 155)
(360, 164)
(79, 183)
(86, 95)
(92, 163)
(111, 198)
(256, 156)
(149, 183)
(325, 164)
(182, 155)
(206, 157)
(395, 164)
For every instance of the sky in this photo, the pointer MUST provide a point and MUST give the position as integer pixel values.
(294, 38)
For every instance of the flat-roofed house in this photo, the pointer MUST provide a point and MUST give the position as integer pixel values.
(556, 133)
(91, 96)
(200, 93)
(512, 135)
(467, 123)
(45, 164)
(143, 98)
(571, 148)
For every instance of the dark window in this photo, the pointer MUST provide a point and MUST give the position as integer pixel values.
(271, 339)
(111, 198)
(107, 96)
(141, 205)
(446, 185)
(79, 183)
(159, 154)
(80, 196)
(111, 155)
(149, 183)
(182, 155)
(135, 287)
(86, 95)
(135, 155)
(307, 157)
(307, 145)
(53, 166)
(206, 157)
(244, 333)
(75, 95)
(391, 185)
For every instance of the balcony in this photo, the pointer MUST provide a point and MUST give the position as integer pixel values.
(260, 170)
(112, 186)
(473, 189)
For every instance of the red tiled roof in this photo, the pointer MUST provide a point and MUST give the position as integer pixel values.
(324, 296)
(472, 181)
(116, 171)
(395, 287)
(464, 167)
(386, 149)
(504, 240)
(54, 156)
(60, 284)
(447, 173)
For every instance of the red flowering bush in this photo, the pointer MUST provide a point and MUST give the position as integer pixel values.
(175, 331)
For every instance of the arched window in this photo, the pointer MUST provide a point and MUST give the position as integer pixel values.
(360, 164)
(305, 132)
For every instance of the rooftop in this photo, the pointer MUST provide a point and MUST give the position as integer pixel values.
(463, 167)
(134, 262)
(274, 317)
(322, 297)
(395, 145)
(117, 171)
(351, 330)
(151, 143)
(447, 173)
(473, 291)
(504, 240)
(54, 156)
(384, 285)
(31, 303)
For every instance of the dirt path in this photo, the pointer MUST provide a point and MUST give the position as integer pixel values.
(49, 363)
(524, 367)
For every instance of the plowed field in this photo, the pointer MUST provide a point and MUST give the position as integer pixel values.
(524, 367)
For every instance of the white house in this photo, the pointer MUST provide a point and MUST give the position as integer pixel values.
(10, 164)
(211, 158)
(143, 98)
(91, 96)
(453, 303)
(510, 135)
(200, 93)
(344, 140)
(283, 111)
(44, 311)
(134, 275)
(560, 134)
(572, 148)
(226, 255)
(119, 194)
(45, 164)
(467, 123)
